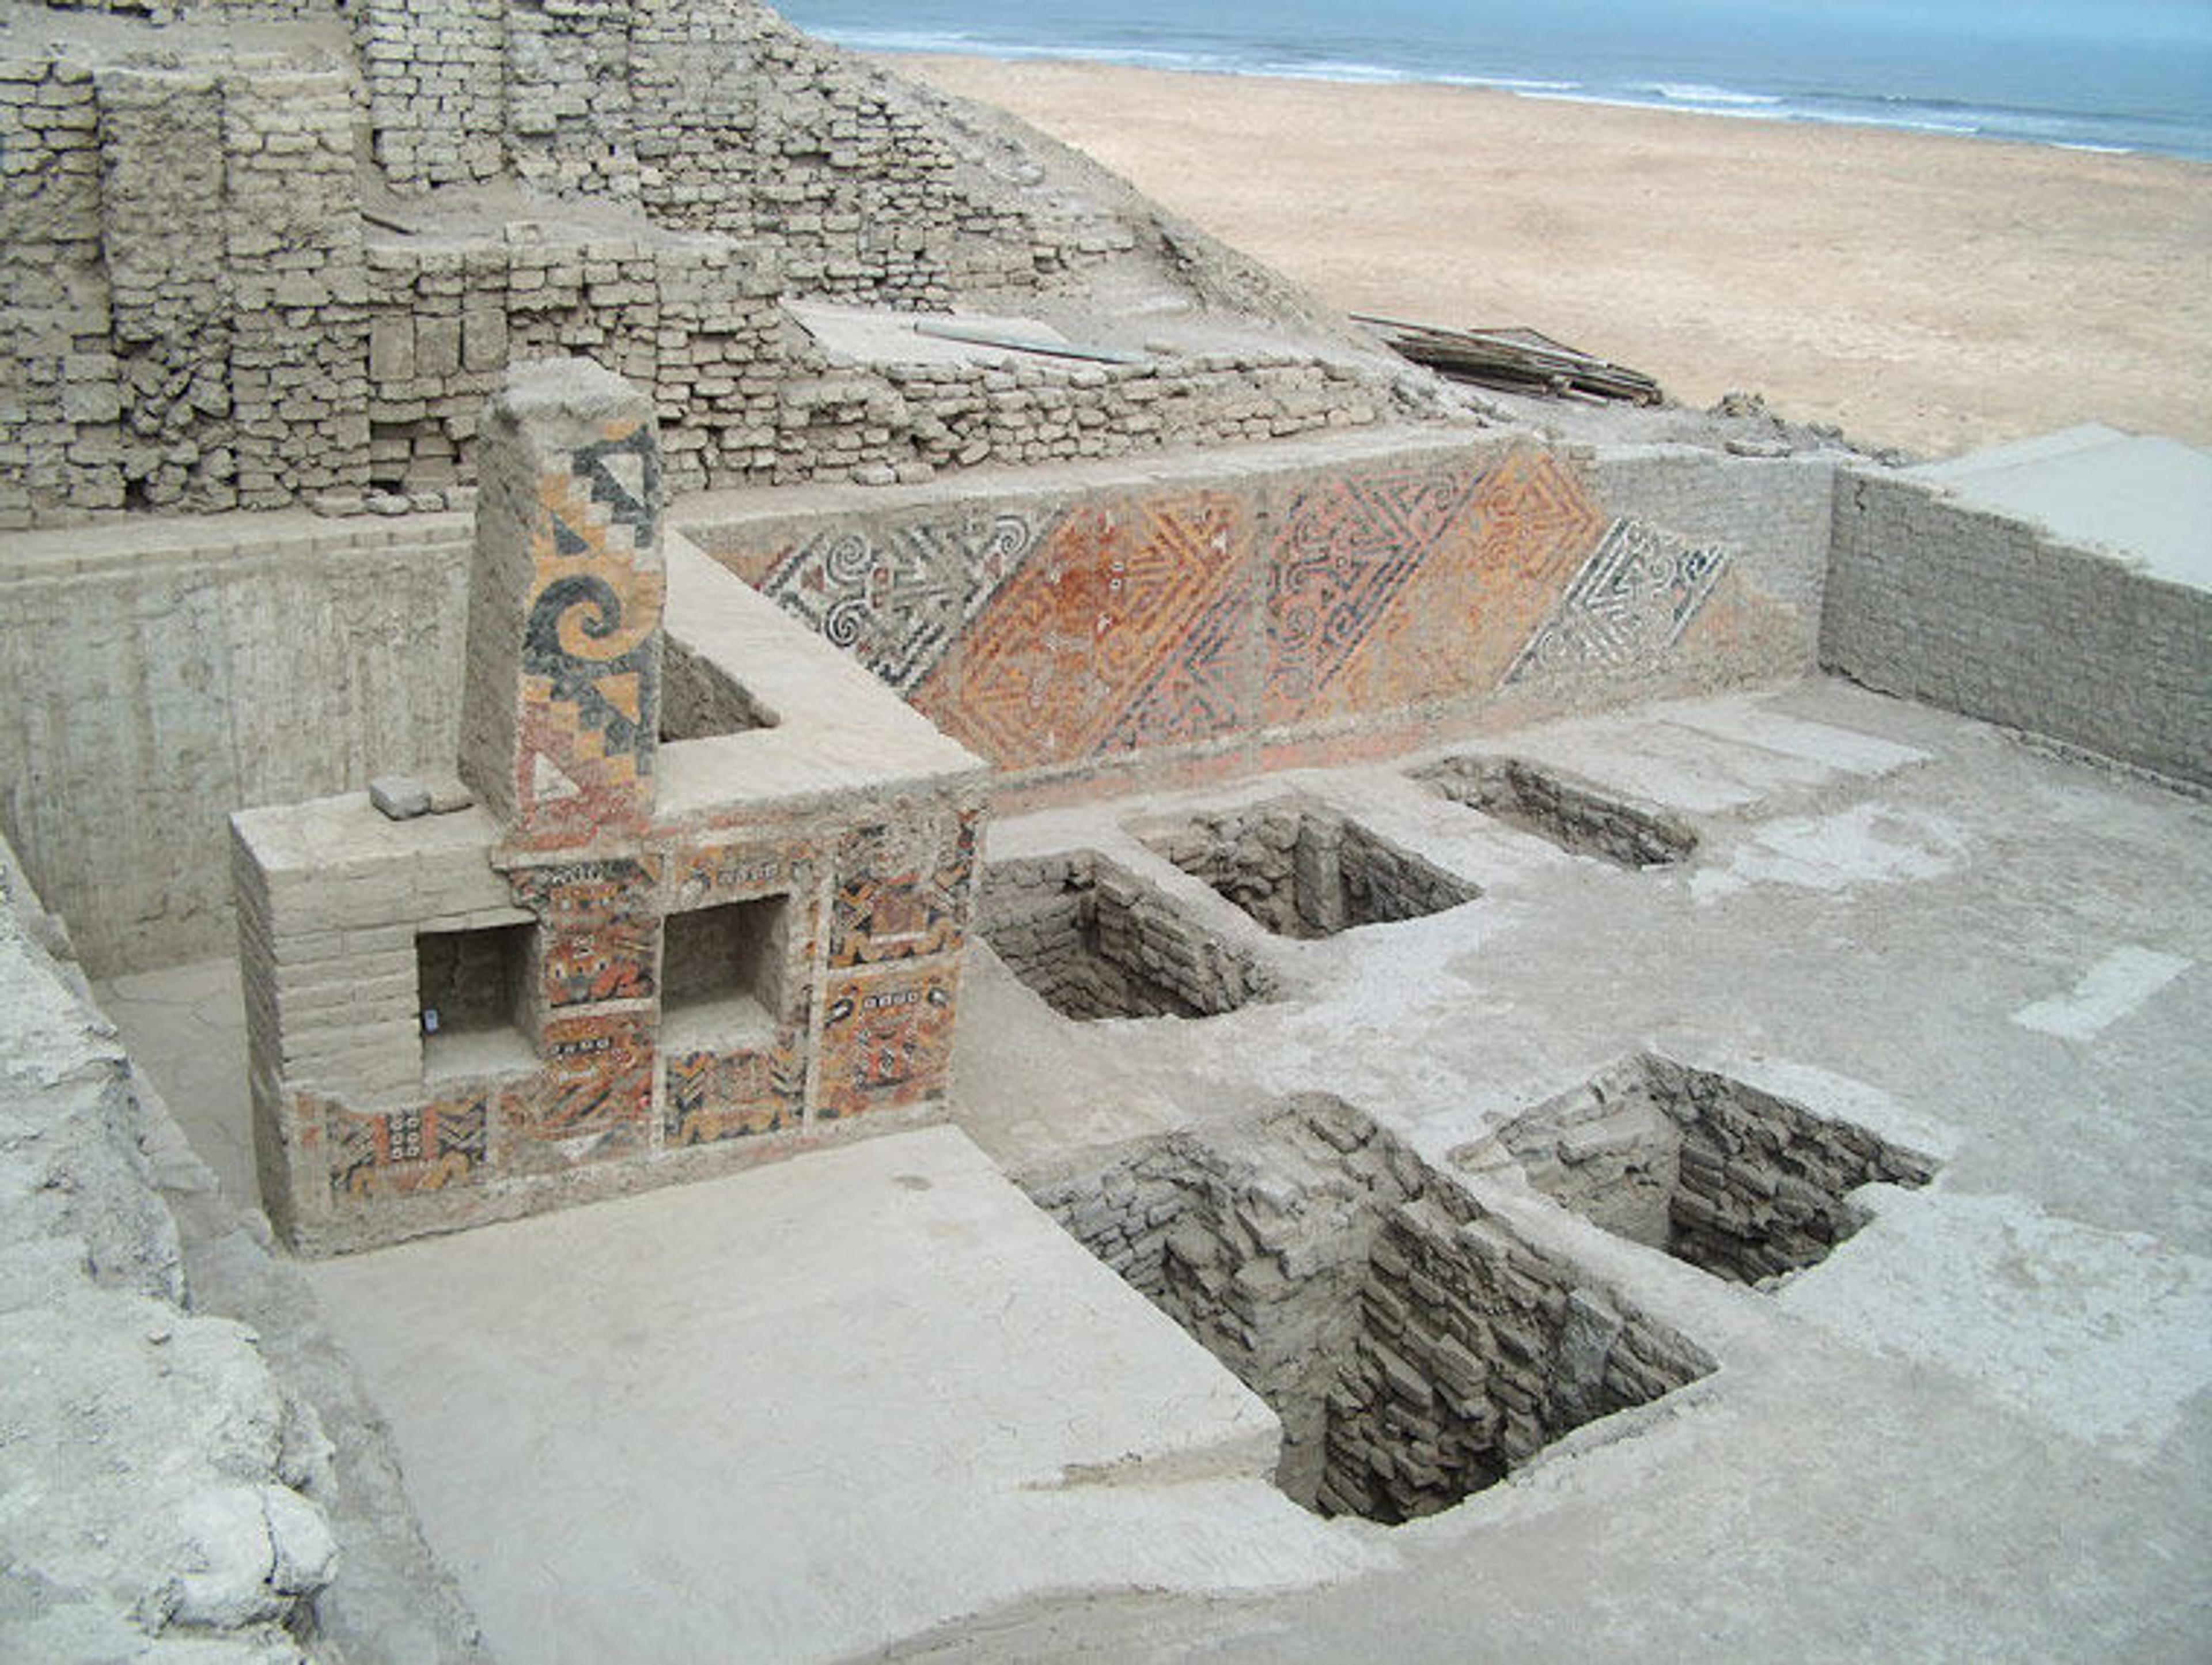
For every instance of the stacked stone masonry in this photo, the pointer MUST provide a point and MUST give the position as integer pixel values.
(1095, 941)
(1733, 1180)
(710, 117)
(746, 396)
(208, 322)
(1302, 870)
(1415, 1348)
(1572, 814)
(183, 251)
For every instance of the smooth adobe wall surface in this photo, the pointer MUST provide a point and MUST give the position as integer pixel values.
(166, 674)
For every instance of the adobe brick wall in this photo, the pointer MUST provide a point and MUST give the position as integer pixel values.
(207, 321)
(1992, 617)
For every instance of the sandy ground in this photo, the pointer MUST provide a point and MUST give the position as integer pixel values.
(1922, 291)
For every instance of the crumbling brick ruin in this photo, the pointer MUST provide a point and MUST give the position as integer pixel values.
(220, 303)
(1736, 1181)
(1415, 1349)
(1093, 941)
(1303, 870)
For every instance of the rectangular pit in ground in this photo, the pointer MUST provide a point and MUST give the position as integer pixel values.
(1575, 815)
(1302, 870)
(1731, 1179)
(1415, 1349)
(1096, 941)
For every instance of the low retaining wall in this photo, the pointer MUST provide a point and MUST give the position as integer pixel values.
(1992, 617)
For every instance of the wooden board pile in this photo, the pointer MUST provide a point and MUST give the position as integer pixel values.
(1516, 361)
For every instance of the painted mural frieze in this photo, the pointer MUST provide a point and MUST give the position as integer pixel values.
(1627, 606)
(896, 598)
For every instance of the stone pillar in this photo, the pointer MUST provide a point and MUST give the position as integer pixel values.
(561, 710)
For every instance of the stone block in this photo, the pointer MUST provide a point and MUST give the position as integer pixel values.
(399, 797)
(437, 346)
(392, 349)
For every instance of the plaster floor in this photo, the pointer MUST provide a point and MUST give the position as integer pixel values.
(863, 1396)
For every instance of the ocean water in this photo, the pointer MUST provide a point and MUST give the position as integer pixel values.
(2100, 75)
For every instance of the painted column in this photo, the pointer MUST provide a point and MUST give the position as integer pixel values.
(560, 713)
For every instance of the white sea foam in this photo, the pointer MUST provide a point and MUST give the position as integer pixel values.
(1512, 84)
(1697, 93)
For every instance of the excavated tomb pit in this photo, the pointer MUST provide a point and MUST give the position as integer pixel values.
(1734, 1180)
(1302, 870)
(1096, 941)
(1415, 1349)
(1575, 815)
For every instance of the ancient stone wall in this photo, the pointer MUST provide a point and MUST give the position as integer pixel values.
(710, 117)
(1736, 1181)
(1095, 941)
(1302, 870)
(1992, 617)
(59, 445)
(208, 322)
(749, 398)
(1576, 815)
(1073, 620)
(183, 248)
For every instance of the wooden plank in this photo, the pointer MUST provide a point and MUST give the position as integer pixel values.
(1517, 359)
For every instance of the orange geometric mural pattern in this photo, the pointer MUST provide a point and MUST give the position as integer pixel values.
(1107, 615)
(1154, 620)
(886, 1040)
(591, 647)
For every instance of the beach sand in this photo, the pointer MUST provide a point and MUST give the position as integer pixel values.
(1922, 291)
